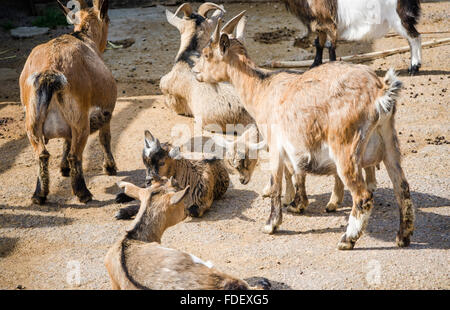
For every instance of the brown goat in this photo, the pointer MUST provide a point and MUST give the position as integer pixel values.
(208, 178)
(138, 261)
(68, 92)
(242, 155)
(337, 118)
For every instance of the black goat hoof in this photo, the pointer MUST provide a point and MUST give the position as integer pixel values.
(123, 198)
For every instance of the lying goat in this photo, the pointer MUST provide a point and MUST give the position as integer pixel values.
(242, 155)
(356, 20)
(337, 118)
(137, 261)
(210, 104)
(68, 92)
(208, 178)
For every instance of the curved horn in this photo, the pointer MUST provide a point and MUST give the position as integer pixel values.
(216, 34)
(231, 25)
(186, 8)
(206, 7)
(83, 4)
(97, 3)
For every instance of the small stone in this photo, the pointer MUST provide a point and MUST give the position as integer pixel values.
(28, 32)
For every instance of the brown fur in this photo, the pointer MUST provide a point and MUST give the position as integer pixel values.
(335, 117)
(208, 178)
(137, 261)
(60, 83)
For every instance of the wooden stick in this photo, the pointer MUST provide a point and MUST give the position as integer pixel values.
(354, 58)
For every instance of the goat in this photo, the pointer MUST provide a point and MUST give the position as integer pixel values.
(334, 119)
(210, 104)
(241, 157)
(68, 92)
(356, 20)
(138, 261)
(208, 178)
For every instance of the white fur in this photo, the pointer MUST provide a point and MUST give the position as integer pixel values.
(365, 19)
(357, 225)
(197, 260)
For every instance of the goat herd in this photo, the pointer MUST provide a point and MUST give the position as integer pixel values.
(334, 119)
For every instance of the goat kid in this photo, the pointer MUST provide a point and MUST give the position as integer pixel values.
(334, 119)
(208, 178)
(356, 20)
(68, 92)
(138, 261)
(210, 104)
(242, 156)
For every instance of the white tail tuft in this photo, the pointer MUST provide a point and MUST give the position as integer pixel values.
(386, 103)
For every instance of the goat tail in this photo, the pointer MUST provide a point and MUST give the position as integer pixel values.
(386, 103)
(46, 84)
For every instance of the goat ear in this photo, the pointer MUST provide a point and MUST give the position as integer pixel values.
(173, 19)
(104, 9)
(175, 153)
(149, 139)
(131, 190)
(240, 28)
(178, 196)
(224, 44)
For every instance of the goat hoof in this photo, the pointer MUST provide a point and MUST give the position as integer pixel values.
(413, 70)
(264, 284)
(122, 215)
(85, 198)
(269, 229)
(345, 245)
(402, 241)
(110, 170)
(331, 207)
(122, 198)
(65, 172)
(287, 201)
(296, 210)
(194, 211)
(315, 64)
(38, 200)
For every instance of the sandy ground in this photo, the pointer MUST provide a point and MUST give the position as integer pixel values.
(41, 246)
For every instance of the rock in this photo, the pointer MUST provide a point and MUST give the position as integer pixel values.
(28, 32)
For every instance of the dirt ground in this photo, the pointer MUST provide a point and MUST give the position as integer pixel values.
(40, 245)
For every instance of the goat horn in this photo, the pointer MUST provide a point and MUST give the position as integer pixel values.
(231, 25)
(204, 9)
(216, 34)
(186, 8)
(83, 4)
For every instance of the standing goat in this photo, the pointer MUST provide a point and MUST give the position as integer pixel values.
(336, 118)
(138, 261)
(356, 20)
(242, 156)
(68, 92)
(208, 178)
(210, 104)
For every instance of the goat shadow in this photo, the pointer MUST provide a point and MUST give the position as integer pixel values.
(432, 230)
(32, 220)
(7, 246)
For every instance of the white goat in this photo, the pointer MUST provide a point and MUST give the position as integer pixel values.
(210, 104)
(356, 20)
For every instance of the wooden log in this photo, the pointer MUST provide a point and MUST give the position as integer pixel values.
(354, 58)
